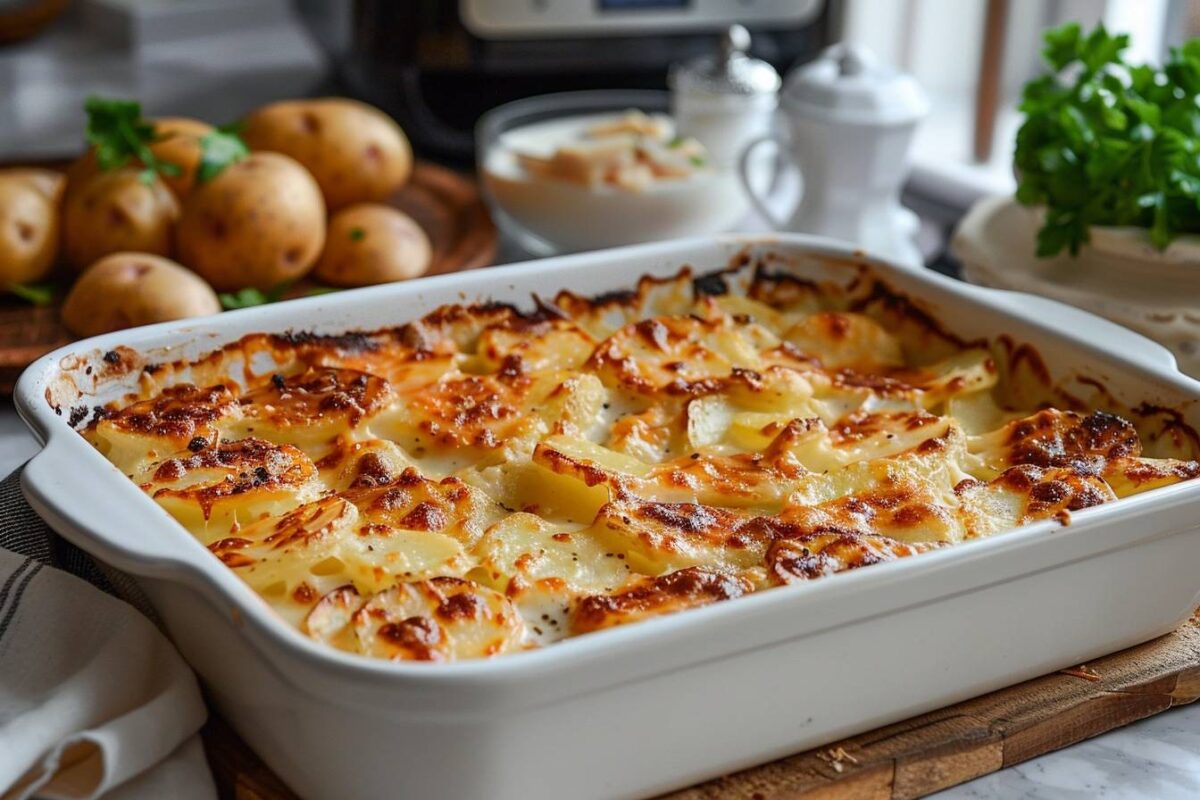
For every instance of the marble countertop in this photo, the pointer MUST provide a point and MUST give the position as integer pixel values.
(1155, 759)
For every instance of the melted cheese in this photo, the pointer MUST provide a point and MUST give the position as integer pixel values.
(481, 481)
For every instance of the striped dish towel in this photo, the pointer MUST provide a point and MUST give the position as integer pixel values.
(94, 701)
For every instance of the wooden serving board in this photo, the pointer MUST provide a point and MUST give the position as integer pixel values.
(446, 204)
(909, 759)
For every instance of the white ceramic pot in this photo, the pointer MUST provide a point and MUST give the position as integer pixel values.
(846, 123)
(1119, 274)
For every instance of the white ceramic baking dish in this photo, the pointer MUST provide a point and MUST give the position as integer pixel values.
(668, 702)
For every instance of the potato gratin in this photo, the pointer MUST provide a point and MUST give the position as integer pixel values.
(486, 480)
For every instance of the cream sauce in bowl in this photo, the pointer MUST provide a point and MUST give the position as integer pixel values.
(633, 182)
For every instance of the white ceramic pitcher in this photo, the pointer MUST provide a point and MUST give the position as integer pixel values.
(846, 123)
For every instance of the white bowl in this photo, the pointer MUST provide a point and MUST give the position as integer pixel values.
(573, 217)
(564, 217)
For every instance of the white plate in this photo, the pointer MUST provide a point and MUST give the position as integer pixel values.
(643, 708)
(1119, 275)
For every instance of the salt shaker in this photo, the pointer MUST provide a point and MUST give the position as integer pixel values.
(724, 100)
(848, 122)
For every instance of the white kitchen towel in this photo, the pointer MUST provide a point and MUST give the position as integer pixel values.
(94, 701)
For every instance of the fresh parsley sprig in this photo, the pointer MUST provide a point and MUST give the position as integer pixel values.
(250, 297)
(119, 134)
(1109, 143)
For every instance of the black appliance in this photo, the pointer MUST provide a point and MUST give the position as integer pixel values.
(437, 65)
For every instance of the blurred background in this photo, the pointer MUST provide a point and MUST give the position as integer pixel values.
(436, 65)
(891, 120)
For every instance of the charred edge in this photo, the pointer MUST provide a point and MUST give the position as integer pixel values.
(1174, 421)
(348, 341)
(890, 299)
(545, 312)
(764, 274)
(615, 297)
(1028, 355)
(711, 283)
(78, 415)
(741, 259)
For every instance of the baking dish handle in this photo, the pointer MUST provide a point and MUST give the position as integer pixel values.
(1085, 325)
(97, 519)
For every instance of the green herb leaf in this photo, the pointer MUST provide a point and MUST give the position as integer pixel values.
(697, 161)
(1062, 45)
(357, 234)
(317, 291)
(242, 298)
(250, 297)
(117, 132)
(1105, 142)
(38, 294)
(218, 150)
(1101, 49)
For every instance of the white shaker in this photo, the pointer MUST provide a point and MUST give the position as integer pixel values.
(725, 100)
(847, 123)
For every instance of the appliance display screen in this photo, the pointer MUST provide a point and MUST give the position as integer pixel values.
(627, 5)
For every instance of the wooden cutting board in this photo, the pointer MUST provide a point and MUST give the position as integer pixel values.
(909, 759)
(444, 203)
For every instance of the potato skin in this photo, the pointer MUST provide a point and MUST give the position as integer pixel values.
(127, 289)
(49, 182)
(258, 223)
(355, 151)
(28, 231)
(180, 145)
(369, 243)
(114, 212)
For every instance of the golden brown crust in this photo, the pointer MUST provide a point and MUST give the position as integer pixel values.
(816, 555)
(229, 469)
(317, 395)
(183, 414)
(687, 588)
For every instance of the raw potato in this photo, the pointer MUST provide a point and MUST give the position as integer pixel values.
(28, 231)
(355, 151)
(47, 181)
(370, 243)
(128, 289)
(116, 211)
(180, 146)
(258, 223)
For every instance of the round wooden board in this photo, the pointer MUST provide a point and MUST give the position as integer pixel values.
(446, 204)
